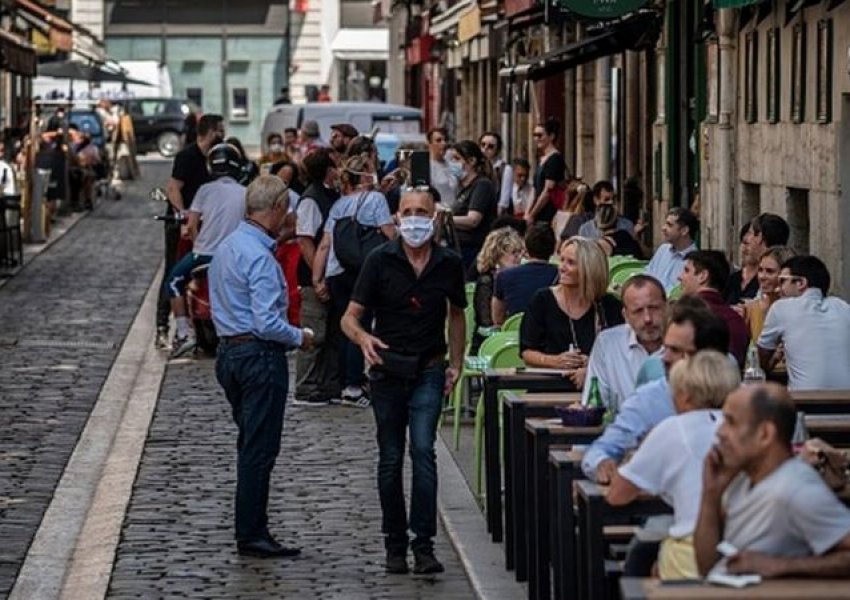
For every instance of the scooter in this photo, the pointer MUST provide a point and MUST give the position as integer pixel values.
(197, 291)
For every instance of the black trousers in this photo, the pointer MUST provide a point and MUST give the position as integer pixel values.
(163, 304)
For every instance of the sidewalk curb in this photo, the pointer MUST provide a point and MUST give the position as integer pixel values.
(72, 553)
(483, 560)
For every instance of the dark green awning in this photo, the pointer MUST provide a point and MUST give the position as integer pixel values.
(735, 3)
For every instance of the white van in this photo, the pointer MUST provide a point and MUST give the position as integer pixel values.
(364, 116)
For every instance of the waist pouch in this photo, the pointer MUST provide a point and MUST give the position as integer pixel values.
(405, 366)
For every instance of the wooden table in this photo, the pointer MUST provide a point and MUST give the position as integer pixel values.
(541, 435)
(516, 408)
(833, 428)
(633, 588)
(593, 513)
(506, 379)
(564, 469)
(822, 401)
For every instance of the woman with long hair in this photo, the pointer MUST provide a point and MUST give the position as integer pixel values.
(475, 207)
(561, 324)
(551, 174)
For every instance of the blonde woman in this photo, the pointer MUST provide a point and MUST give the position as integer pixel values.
(502, 248)
(669, 462)
(561, 324)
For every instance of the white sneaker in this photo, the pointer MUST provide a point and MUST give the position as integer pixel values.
(182, 345)
(355, 396)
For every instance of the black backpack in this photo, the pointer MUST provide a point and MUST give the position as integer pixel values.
(353, 241)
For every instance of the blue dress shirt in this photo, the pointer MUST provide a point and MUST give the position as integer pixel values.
(247, 288)
(668, 263)
(647, 407)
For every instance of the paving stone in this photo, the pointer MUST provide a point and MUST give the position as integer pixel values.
(177, 539)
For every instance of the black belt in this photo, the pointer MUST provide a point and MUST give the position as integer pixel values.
(242, 338)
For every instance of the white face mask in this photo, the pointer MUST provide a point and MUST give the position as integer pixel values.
(457, 170)
(275, 148)
(416, 231)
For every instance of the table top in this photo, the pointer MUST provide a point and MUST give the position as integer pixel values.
(822, 396)
(635, 588)
(543, 398)
(565, 456)
(555, 427)
(815, 423)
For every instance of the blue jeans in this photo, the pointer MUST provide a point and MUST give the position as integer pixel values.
(255, 380)
(351, 364)
(175, 283)
(399, 404)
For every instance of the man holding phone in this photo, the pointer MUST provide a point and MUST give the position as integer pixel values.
(411, 285)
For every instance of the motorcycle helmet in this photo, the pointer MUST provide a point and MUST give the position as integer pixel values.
(224, 160)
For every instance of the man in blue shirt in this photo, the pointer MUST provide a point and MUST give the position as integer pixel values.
(691, 326)
(249, 301)
(679, 229)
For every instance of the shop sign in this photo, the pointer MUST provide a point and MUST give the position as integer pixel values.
(469, 24)
(602, 9)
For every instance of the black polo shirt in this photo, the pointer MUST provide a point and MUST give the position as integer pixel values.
(190, 167)
(410, 312)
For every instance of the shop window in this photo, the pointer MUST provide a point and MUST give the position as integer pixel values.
(772, 70)
(824, 71)
(751, 74)
(798, 73)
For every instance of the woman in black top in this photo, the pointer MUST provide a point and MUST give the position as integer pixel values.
(551, 173)
(476, 203)
(561, 324)
(615, 242)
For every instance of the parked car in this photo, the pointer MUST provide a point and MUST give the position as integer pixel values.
(159, 123)
(364, 116)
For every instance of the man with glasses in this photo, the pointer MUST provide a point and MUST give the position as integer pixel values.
(442, 178)
(691, 326)
(813, 327)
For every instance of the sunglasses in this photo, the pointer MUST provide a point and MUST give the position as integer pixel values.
(537, 134)
(486, 146)
(417, 188)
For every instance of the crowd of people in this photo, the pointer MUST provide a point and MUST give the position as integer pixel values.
(351, 261)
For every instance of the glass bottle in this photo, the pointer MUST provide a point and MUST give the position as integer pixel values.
(753, 373)
(801, 433)
(594, 398)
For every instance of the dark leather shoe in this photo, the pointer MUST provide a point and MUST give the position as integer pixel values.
(425, 563)
(396, 563)
(267, 548)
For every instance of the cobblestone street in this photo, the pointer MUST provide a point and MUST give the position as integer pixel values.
(178, 535)
(63, 320)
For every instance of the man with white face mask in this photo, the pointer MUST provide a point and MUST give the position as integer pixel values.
(406, 284)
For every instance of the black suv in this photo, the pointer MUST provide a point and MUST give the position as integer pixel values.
(159, 123)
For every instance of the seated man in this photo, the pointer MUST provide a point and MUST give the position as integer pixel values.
(706, 275)
(813, 327)
(772, 507)
(669, 461)
(619, 352)
(515, 286)
(680, 227)
(691, 326)
(221, 204)
(603, 193)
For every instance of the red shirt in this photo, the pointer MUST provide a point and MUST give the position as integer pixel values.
(739, 333)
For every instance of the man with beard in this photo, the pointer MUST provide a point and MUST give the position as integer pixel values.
(691, 326)
(619, 352)
(341, 136)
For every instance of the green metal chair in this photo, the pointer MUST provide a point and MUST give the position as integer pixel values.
(506, 356)
(675, 293)
(473, 366)
(623, 272)
(470, 293)
(513, 322)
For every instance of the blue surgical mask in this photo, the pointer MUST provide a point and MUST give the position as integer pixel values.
(416, 231)
(456, 169)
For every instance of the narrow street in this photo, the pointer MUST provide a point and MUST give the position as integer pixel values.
(63, 320)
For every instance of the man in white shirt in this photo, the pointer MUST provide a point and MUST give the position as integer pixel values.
(521, 194)
(668, 262)
(442, 178)
(813, 327)
(772, 507)
(619, 352)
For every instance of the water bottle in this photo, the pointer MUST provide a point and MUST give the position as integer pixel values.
(753, 373)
